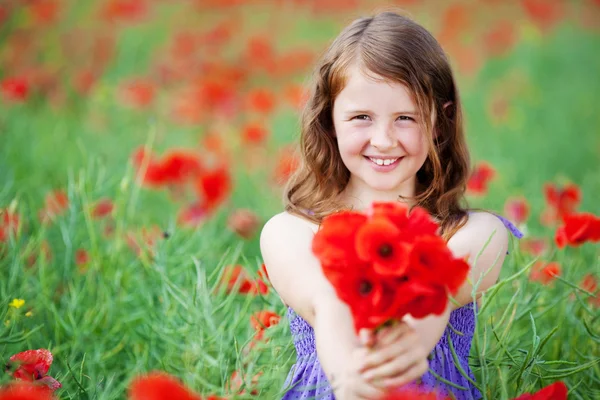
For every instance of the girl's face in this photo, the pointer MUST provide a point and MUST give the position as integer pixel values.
(378, 135)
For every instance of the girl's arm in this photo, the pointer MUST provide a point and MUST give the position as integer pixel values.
(469, 242)
(297, 277)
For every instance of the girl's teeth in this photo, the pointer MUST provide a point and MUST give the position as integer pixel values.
(383, 162)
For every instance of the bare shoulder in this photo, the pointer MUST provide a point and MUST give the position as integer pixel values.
(294, 271)
(482, 231)
(285, 226)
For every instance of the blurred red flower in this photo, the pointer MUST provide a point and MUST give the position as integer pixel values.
(124, 10)
(25, 391)
(9, 224)
(192, 215)
(589, 282)
(545, 272)
(410, 393)
(243, 222)
(102, 208)
(214, 187)
(480, 178)
(235, 276)
(138, 93)
(254, 133)
(500, 38)
(516, 209)
(335, 243)
(286, 164)
(159, 385)
(33, 365)
(534, 246)
(15, 88)
(296, 96)
(555, 391)
(560, 202)
(44, 11)
(262, 320)
(577, 229)
(236, 382)
(56, 203)
(544, 13)
(261, 100)
(81, 257)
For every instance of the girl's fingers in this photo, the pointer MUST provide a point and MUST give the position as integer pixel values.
(396, 366)
(391, 334)
(381, 355)
(414, 372)
(369, 391)
(366, 337)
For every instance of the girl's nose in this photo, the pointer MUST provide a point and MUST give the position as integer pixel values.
(382, 138)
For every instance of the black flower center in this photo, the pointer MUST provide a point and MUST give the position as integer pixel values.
(385, 250)
(365, 288)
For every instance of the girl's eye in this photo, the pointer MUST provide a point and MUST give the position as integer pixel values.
(362, 117)
(405, 118)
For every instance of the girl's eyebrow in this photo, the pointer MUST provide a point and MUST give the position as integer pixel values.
(370, 112)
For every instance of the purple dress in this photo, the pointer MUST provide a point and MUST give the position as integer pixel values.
(307, 380)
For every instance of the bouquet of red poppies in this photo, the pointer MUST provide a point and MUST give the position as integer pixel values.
(388, 263)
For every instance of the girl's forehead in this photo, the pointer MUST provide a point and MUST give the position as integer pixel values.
(364, 86)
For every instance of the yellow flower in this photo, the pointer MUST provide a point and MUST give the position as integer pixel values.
(28, 314)
(17, 303)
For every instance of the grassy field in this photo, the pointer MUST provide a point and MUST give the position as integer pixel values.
(141, 288)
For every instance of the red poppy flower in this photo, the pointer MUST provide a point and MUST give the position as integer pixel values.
(517, 209)
(254, 133)
(427, 299)
(44, 11)
(377, 242)
(236, 382)
(578, 229)
(500, 38)
(102, 208)
(261, 100)
(420, 223)
(560, 202)
(235, 276)
(33, 365)
(361, 289)
(480, 178)
(431, 261)
(138, 93)
(81, 257)
(214, 187)
(533, 246)
(555, 391)
(56, 203)
(262, 320)
(14, 89)
(9, 224)
(287, 163)
(25, 391)
(296, 96)
(334, 242)
(158, 386)
(243, 222)
(545, 272)
(124, 10)
(178, 166)
(545, 14)
(396, 212)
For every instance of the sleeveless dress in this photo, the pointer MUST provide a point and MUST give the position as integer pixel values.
(306, 379)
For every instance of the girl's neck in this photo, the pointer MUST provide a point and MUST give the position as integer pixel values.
(359, 196)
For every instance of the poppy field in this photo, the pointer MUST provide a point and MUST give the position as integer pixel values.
(144, 143)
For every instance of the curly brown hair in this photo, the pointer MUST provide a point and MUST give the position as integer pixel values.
(393, 47)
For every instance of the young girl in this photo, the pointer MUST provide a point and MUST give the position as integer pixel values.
(383, 123)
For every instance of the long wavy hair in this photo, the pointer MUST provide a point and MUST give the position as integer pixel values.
(397, 49)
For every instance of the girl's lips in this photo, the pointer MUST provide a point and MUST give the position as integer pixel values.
(383, 168)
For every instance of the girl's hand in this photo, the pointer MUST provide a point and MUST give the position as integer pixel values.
(352, 384)
(395, 356)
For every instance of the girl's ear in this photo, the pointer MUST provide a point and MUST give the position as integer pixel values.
(448, 108)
